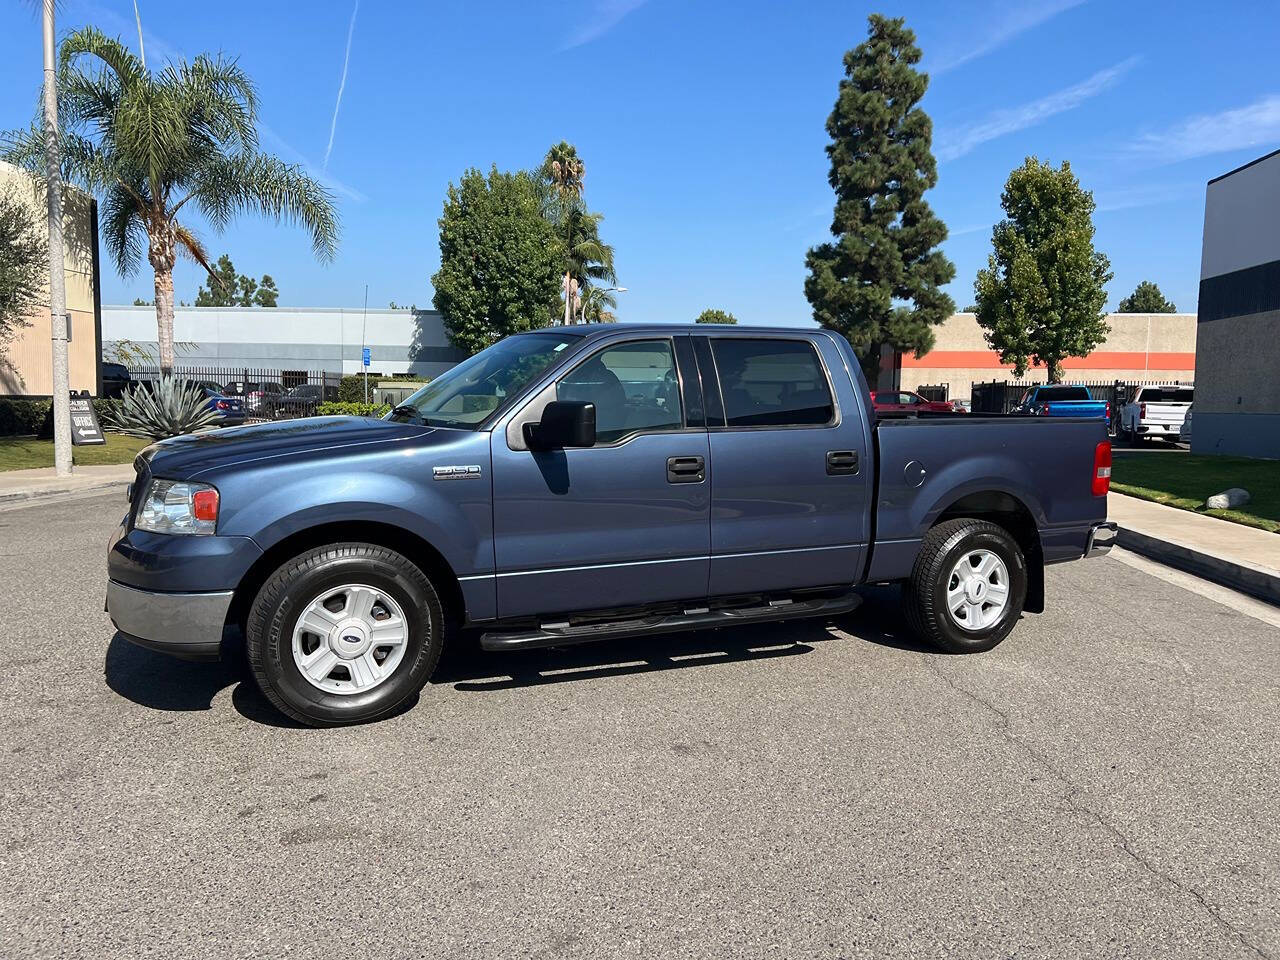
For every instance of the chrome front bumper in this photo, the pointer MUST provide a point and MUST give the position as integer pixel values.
(186, 625)
(1102, 537)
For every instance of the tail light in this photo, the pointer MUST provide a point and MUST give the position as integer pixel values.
(1142, 411)
(222, 405)
(1048, 409)
(1107, 414)
(1102, 469)
(257, 394)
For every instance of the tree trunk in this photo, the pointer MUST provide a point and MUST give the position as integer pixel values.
(568, 296)
(1055, 370)
(163, 252)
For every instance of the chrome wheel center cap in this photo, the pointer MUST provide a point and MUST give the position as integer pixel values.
(976, 590)
(349, 639)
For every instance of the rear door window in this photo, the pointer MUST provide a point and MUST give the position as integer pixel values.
(772, 383)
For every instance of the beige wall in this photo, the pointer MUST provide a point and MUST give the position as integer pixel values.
(1240, 365)
(28, 358)
(1158, 346)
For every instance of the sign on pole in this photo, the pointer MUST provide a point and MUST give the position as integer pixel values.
(84, 423)
(366, 356)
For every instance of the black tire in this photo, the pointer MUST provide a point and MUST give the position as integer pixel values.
(286, 594)
(925, 593)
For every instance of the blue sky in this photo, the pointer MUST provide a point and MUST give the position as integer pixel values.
(702, 126)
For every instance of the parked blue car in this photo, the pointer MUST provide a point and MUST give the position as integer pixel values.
(592, 482)
(228, 409)
(1062, 400)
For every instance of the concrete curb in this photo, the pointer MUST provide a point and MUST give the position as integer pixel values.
(1259, 582)
(24, 496)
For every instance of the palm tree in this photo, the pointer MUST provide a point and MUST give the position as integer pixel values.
(586, 257)
(598, 304)
(150, 143)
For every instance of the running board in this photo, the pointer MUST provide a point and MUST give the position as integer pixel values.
(698, 618)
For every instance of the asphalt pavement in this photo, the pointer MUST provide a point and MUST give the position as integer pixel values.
(1103, 784)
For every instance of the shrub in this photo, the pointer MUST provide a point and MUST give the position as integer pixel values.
(20, 418)
(352, 409)
(351, 388)
(168, 407)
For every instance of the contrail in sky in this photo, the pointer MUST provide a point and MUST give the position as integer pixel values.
(333, 127)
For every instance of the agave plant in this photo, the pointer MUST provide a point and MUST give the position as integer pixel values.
(169, 407)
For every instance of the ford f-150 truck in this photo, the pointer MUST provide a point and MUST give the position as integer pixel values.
(589, 482)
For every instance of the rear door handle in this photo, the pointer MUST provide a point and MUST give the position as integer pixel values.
(686, 469)
(842, 462)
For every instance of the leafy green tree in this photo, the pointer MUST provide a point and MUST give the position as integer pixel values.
(24, 262)
(881, 280)
(227, 288)
(148, 143)
(715, 316)
(1146, 298)
(587, 260)
(1040, 299)
(499, 259)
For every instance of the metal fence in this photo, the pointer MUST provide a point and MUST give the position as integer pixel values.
(270, 393)
(1001, 396)
(937, 392)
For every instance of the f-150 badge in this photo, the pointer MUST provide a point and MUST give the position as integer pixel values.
(470, 471)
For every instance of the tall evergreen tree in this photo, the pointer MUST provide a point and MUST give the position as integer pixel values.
(881, 280)
(1040, 299)
(1146, 298)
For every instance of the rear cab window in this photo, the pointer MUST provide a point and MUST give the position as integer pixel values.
(1166, 395)
(1059, 394)
(772, 383)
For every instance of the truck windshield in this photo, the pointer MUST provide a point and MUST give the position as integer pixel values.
(479, 387)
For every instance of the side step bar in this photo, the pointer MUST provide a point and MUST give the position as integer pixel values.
(559, 635)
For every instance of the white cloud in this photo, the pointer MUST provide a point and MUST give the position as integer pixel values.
(1255, 125)
(605, 15)
(342, 84)
(993, 27)
(956, 143)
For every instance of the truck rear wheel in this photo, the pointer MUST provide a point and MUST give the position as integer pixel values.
(968, 586)
(344, 634)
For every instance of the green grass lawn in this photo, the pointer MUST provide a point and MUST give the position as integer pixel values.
(21, 453)
(1185, 481)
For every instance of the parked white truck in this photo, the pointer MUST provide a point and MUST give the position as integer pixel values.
(1156, 411)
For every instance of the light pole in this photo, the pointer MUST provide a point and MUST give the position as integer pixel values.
(57, 274)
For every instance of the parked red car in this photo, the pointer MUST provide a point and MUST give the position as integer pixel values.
(903, 401)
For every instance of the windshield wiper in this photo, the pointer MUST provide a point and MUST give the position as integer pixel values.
(406, 410)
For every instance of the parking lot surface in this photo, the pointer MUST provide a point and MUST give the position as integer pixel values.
(1103, 784)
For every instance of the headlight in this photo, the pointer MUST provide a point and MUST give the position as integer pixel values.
(175, 506)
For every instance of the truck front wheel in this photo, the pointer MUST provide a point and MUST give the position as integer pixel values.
(968, 586)
(344, 634)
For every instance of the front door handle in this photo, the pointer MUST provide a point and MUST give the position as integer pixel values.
(842, 462)
(686, 469)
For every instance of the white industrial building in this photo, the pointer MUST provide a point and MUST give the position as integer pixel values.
(1237, 408)
(316, 339)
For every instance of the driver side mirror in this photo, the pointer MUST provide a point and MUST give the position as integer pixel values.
(565, 423)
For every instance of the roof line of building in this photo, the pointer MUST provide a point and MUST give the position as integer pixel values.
(1246, 166)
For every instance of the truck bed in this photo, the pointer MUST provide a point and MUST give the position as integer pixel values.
(1038, 466)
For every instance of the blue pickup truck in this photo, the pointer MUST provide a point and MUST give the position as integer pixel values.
(591, 482)
(1062, 400)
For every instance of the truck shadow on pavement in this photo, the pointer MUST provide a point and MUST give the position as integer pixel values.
(161, 682)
